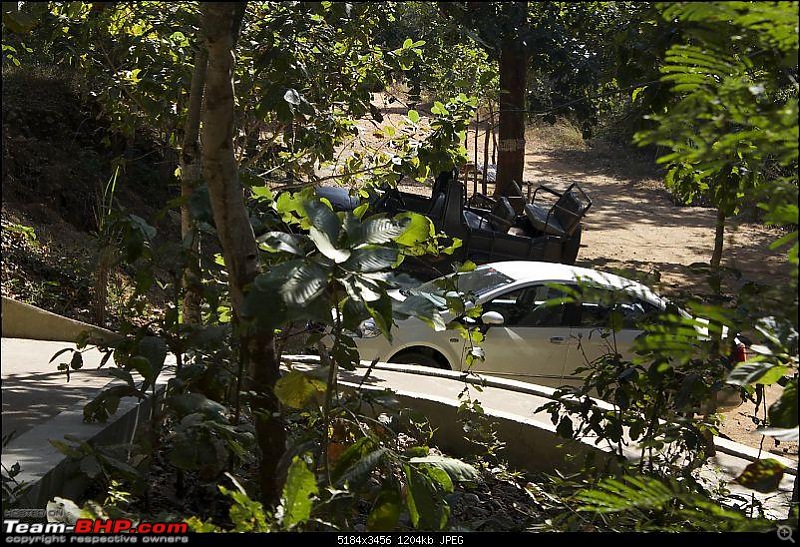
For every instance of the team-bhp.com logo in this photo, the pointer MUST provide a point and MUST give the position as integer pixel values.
(95, 526)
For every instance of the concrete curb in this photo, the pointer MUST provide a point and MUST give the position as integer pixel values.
(20, 320)
(47, 472)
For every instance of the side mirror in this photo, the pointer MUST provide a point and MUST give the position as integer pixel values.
(493, 318)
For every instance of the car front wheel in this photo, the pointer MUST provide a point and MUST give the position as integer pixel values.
(415, 358)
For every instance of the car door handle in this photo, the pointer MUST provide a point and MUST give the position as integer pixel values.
(558, 340)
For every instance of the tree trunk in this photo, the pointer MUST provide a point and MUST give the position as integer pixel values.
(513, 86)
(221, 21)
(511, 149)
(486, 137)
(191, 170)
(719, 239)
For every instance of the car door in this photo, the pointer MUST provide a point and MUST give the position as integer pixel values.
(531, 345)
(591, 335)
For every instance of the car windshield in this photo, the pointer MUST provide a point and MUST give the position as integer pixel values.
(479, 282)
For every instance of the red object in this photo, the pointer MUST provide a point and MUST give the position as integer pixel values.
(740, 355)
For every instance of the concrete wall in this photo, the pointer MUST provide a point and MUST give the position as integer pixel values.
(22, 320)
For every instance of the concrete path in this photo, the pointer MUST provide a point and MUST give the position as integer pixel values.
(34, 390)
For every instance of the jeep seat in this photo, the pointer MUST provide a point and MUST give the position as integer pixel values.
(561, 219)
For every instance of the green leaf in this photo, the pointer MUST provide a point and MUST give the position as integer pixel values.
(122, 374)
(413, 116)
(386, 511)
(281, 241)
(196, 403)
(783, 412)
(354, 452)
(762, 476)
(307, 280)
(457, 470)
(370, 259)
(613, 496)
(381, 230)
(296, 389)
(300, 487)
(60, 352)
(426, 506)
(419, 229)
(361, 469)
(359, 211)
(77, 361)
(154, 349)
(326, 247)
(756, 373)
(66, 449)
(18, 22)
(440, 477)
(323, 219)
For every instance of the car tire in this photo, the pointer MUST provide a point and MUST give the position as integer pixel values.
(416, 358)
(569, 251)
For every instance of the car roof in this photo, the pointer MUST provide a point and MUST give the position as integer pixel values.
(526, 271)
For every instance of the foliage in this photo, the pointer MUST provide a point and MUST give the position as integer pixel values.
(13, 489)
(646, 503)
(735, 121)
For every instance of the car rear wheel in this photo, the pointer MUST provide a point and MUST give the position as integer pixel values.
(416, 358)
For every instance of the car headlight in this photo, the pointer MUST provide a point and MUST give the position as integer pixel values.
(368, 329)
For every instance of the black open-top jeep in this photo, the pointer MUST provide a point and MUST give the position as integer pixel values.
(491, 229)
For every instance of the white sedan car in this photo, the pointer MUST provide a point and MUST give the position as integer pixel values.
(524, 338)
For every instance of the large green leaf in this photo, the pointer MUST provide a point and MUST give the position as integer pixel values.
(323, 219)
(281, 241)
(783, 412)
(382, 230)
(306, 281)
(326, 246)
(457, 470)
(360, 288)
(386, 511)
(361, 469)
(196, 403)
(353, 453)
(300, 487)
(371, 259)
(425, 503)
(296, 389)
(418, 229)
(18, 22)
(762, 475)
(154, 349)
(756, 373)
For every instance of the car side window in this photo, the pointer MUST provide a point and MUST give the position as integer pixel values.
(596, 310)
(529, 307)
